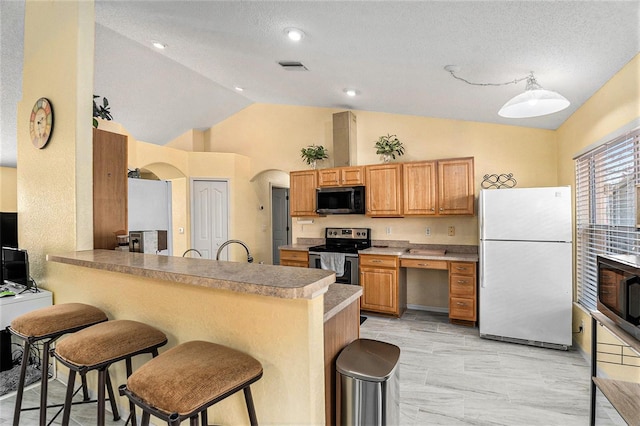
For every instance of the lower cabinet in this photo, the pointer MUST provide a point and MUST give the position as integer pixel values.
(299, 258)
(463, 293)
(384, 289)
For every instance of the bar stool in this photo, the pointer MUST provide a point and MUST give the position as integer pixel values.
(47, 325)
(99, 346)
(187, 379)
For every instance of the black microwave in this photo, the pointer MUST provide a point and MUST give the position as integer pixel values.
(619, 291)
(340, 200)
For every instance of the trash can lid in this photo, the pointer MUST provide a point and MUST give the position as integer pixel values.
(369, 360)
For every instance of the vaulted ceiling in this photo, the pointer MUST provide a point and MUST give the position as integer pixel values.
(393, 53)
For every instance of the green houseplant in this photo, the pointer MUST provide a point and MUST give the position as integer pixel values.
(389, 146)
(313, 153)
(101, 111)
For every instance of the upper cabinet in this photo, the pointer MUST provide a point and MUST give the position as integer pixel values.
(341, 176)
(302, 193)
(384, 190)
(419, 188)
(438, 188)
(455, 186)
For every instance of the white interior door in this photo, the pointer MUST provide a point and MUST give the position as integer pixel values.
(210, 216)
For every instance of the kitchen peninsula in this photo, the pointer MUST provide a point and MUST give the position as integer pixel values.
(276, 314)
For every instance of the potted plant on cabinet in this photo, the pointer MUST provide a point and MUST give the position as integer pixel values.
(388, 147)
(313, 153)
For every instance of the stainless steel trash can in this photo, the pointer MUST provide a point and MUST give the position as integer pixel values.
(368, 378)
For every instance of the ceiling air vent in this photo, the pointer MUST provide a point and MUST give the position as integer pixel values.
(293, 66)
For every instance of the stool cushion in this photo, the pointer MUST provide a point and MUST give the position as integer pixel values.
(108, 342)
(57, 319)
(190, 375)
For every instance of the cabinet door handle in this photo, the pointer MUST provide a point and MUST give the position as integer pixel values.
(441, 209)
(423, 264)
(461, 268)
(376, 261)
(462, 282)
(433, 209)
(460, 303)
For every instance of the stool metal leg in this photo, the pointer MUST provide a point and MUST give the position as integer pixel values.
(23, 374)
(193, 421)
(112, 397)
(204, 418)
(145, 418)
(44, 384)
(66, 414)
(250, 407)
(85, 389)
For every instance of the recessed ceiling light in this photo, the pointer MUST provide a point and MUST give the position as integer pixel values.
(158, 45)
(239, 89)
(294, 34)
(351, 92)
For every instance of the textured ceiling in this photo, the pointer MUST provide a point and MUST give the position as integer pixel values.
(393, 53)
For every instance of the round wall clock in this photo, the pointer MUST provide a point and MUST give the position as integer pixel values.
(41, 123)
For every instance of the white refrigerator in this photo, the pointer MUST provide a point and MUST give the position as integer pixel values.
(526, 265)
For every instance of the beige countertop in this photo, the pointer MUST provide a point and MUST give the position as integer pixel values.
(299, 247)
(338, 297)
(251, 278)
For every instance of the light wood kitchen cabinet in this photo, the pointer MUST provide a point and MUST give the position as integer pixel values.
(110, 188)
(383, 285)
(302, 193)
(419, 189)
(463, 293)
(455, 186)
(299, 258)
(384, 190)
(341, 176)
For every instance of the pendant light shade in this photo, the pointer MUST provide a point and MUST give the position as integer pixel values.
(534, 102)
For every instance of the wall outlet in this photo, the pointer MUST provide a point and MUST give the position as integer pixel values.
(388, 230)
(427, 231)
(452, 231)
(581, 329)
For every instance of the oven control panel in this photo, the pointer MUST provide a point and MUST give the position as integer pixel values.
(352, 233)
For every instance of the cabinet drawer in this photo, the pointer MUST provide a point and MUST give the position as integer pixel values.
(295, 255)
(463, 268)
(462, 308)
(294, 263)
(424, 263)
(379, 261)
(462, 285)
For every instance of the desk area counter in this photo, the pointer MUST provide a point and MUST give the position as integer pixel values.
(264, 280)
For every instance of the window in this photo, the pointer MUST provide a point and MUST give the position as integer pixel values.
(606, 179)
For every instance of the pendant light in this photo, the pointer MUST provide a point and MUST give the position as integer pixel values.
(534, 102)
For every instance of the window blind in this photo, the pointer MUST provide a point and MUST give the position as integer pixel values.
(606, 179)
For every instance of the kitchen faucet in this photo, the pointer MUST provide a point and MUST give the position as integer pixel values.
(199, 254)
(226, 243)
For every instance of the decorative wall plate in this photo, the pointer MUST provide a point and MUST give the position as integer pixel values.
(41, 123)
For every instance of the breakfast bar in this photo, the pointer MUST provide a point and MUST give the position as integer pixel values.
(276, 314)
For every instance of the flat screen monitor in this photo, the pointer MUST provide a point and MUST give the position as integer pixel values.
(15, 267)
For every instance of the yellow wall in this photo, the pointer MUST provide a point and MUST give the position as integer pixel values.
(615, 105)
(54, 184)
(8, 189)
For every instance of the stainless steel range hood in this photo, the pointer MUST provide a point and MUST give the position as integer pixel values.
(344, 139)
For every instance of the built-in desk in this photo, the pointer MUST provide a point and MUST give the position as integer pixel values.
(12, 307)
(381, 269)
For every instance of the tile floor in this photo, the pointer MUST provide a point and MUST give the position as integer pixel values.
(448, 376)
